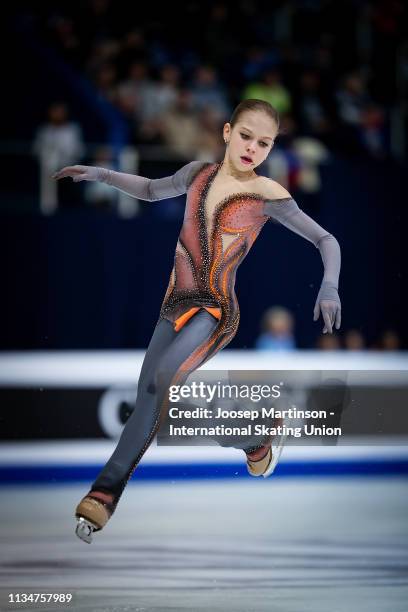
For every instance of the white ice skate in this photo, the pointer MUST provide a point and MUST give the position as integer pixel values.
(277, 446)
(266, 466)
(276, 450)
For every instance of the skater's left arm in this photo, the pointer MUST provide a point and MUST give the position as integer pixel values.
(281, 206)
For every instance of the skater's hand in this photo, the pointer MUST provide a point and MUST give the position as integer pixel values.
(81, 173)
(328, 304)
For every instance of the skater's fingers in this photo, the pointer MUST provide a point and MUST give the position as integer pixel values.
(63, 172)
(316, 311)
(327, 322)
(71, 171)
(338, 318)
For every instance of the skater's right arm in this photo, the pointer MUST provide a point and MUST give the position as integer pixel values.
(138, 186)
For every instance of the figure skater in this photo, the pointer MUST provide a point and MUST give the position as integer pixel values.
(227, 206)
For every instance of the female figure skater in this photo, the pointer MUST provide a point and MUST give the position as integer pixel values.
(227, 206)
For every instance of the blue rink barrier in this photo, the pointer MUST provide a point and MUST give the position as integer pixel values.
(156, 472)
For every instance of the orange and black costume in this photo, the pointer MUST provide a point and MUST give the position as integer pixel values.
(200, 313)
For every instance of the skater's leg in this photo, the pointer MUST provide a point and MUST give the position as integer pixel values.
(167, 352)
(170, 358)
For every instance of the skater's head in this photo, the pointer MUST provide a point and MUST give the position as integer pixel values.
(250, 134)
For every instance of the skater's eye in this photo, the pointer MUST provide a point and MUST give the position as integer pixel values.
(245, 137)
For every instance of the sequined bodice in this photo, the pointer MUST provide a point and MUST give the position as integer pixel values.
(211, 245)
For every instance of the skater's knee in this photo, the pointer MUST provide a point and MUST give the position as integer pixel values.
(162, 379)
(152, 387)
(158, 383)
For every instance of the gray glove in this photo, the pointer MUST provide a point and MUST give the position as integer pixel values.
(328, 303)
(82, 173)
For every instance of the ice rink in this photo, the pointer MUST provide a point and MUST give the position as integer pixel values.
(327, 532)
(282, 544)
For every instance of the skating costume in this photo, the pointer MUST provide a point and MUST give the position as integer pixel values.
(199, 314)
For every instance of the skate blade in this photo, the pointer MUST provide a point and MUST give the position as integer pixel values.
(84, 530)
(276, 453)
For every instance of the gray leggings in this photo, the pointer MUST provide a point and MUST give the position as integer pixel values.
(165, 354)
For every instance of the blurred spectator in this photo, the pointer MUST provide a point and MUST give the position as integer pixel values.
(65, 38)
(257, 61)
(270, 89)
(352, 98)
(328, 342)
(390, 341)
(283, 163)
(106, 78)
(372, 133)
(179, 127)
(290, 64)
(104, 52)
(323, 60)
(354, 340)
(157, 100)
(58, 142)
(208, 93)
(161, 95)
(362, 120)
(313, 116)
(134, 92)
(389, 34)
(277, 325)
(132, 49)
(210, 145)
(97, 18)
(310, 153)
(97, 39)
(219, 35)
(165, 91)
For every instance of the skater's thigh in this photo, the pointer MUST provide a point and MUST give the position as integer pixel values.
(162, 337)
(194, 333)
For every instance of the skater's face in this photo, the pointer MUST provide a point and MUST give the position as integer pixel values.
(250, 140)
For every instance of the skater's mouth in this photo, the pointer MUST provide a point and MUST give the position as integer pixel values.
(246, 160)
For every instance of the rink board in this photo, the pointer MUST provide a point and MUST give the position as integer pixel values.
(47, 461)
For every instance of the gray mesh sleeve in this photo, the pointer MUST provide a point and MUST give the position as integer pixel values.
(288, 213)
(151, 189)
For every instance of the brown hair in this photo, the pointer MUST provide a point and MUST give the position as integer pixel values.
(253, 104)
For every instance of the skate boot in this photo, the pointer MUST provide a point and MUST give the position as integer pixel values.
(260, 466)
(264, 460)
(93, 512)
